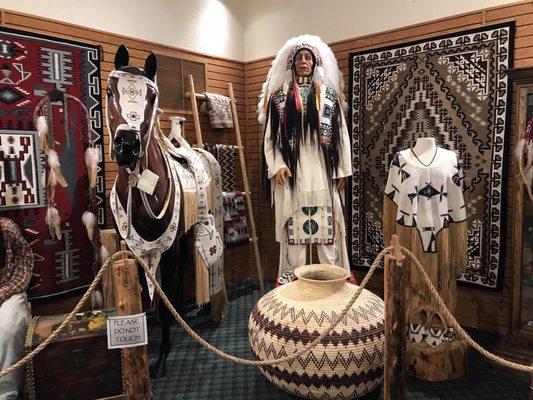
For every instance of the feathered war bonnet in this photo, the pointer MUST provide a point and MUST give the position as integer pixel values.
(326, 70)
(290, 125)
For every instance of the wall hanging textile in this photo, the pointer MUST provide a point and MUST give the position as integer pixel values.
(32, 65)
(218, 108)
(235, 223)
(453, 88)
(225, 155)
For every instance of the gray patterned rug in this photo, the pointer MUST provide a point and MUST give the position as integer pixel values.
(453, 88)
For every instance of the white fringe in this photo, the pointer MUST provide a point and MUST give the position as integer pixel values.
(519, 149)
(89, 220)
(97, 300)
(529, 176)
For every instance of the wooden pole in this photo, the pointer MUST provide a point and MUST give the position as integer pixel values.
(195, 115)
(128, 301)
(395, 328)
(109, 240)
(246, 188)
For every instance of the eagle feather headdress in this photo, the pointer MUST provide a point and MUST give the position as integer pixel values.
(280, 74)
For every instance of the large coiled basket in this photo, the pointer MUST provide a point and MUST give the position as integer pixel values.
(348, 363)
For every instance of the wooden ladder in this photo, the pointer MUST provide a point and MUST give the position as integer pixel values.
(193, 96)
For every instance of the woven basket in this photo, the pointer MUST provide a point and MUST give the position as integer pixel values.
(348, 363)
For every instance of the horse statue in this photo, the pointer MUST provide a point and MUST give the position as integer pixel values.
(162, 191)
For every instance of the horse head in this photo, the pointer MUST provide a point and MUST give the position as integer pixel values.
(132, 100)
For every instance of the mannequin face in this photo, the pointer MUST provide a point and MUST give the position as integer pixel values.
(303, 63)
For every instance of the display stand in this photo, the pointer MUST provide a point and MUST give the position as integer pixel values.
(193, 96)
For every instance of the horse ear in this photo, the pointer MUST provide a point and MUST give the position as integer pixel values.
(122, 57)
(150, 66)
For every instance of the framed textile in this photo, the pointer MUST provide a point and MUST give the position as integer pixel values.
(30, 66)
(453, 88)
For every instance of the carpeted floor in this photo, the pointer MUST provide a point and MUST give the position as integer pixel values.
(196, 374)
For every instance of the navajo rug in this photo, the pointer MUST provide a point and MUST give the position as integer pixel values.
(30, 65)
(453, 88)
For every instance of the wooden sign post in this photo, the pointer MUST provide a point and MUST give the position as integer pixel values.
(395, 328)
(128, 302)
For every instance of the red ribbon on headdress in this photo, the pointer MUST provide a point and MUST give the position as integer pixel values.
(297, 97)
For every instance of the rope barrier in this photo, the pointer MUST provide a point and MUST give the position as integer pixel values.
(242, 361)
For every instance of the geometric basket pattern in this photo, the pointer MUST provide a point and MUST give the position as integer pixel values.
(347, 364)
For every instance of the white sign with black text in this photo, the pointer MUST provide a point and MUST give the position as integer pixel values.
(126, 331)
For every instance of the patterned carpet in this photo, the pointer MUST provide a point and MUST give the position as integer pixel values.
(196, 374)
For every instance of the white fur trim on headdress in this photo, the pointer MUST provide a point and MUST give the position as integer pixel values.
(329, 73)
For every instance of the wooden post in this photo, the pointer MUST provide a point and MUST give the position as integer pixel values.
(195, 115)
(246, 187)
(109, 239)
(128, 301)
(395, 328)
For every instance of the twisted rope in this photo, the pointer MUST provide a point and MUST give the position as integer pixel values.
(242, 361)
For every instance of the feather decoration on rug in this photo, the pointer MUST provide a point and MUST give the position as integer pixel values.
(89, 220)
(42, 129)
(54, 222)
(92, 157)
(55, 176)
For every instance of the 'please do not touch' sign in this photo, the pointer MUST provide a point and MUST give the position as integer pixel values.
(126, 331)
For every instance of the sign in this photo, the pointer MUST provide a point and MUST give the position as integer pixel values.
(126, 331)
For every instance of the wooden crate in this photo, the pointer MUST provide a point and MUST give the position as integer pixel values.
(77, 365)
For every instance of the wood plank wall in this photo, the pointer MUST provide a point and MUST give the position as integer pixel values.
(219, 72)
(478, 308)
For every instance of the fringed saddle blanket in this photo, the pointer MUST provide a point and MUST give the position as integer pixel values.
(200, 183)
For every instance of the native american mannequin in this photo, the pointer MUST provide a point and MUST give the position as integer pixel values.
(307, 151)
(424, 205)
